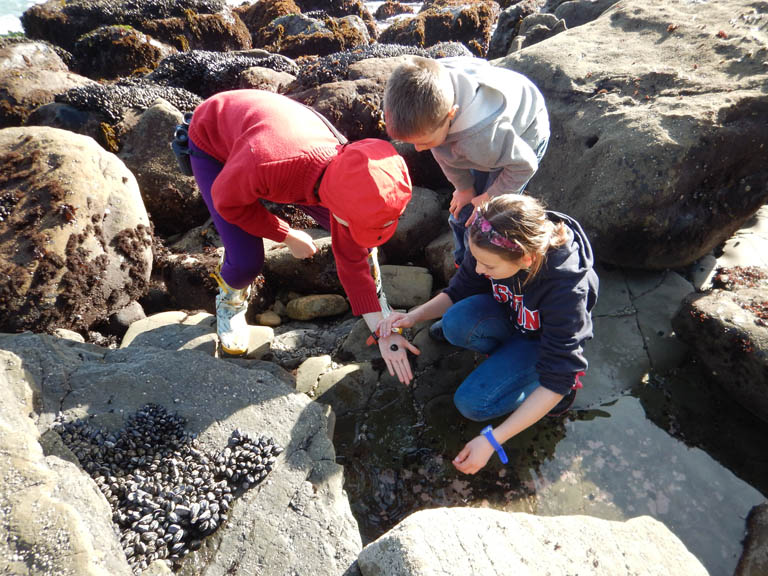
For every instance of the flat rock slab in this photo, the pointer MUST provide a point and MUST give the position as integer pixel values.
(437, 542)
(298, 519)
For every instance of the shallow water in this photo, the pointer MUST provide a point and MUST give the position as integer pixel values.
(675, 448)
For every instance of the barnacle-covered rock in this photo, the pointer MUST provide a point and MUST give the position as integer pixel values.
(297, 35)
(206, 73)
(75, 242)
(115, 51)
(112, 100)
(62, 23)
(447, 20)
(340, 8)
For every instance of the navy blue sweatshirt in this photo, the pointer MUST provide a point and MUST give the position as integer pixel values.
(555, 306)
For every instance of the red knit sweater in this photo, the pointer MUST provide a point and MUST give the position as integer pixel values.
(275, 148)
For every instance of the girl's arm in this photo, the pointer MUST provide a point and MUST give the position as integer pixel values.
(478, 451)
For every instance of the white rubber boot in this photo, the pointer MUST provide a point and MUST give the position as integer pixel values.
(231, 306)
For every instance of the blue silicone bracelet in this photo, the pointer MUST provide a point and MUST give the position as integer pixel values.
(488, 433)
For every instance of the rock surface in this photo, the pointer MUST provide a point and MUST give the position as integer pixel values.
(432, 542)
(659, 126)
(75, 243)
(267, 530)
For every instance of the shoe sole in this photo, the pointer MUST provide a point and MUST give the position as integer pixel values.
(230, 352)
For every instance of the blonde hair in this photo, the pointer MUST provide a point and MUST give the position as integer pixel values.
(418, 97)
(524, 221)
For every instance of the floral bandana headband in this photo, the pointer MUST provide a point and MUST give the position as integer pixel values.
(493, 236)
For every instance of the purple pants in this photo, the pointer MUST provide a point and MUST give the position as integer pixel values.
(243, 252)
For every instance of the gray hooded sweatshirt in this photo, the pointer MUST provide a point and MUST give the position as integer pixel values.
(502, 119)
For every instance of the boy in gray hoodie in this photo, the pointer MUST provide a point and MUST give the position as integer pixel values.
(486, 126)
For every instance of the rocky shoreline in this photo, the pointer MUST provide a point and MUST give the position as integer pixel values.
(659, 147)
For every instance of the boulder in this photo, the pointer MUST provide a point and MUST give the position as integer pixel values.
(75, 242)
(32, 74)
(297, 520)
(317, 306)
(406, 286)
(297, 35)
(421, 222)
(656, 112)
(728, 331)
(459, 541)
(390, 8)
(172, 199)
(311, 275)
(110, 52)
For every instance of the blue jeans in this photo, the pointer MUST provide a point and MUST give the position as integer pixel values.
(508, 376)
(483, 181)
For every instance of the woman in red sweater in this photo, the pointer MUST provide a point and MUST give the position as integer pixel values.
(249, 145)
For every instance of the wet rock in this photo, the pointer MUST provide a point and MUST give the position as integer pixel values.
(172, 199)
(431, 542)
(113, 51)
(258, 15)
(447, 20)
(754, 560)
(340, 9)
(33, 73)
(728, 330)
(111, 101)
(317, 306)
(536, 28)
(206, 73)
(406, 286)
(81, 247)
(579, 12)
(697, 186)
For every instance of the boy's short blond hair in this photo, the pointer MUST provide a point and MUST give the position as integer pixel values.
(418, 97)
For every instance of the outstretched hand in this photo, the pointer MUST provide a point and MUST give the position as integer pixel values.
(474, 456)
(460, 199)
(393, 350)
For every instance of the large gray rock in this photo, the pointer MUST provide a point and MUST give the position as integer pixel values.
(659, 127)
(469, 541)
(54, 520)
(75, 243)
(298, 520)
